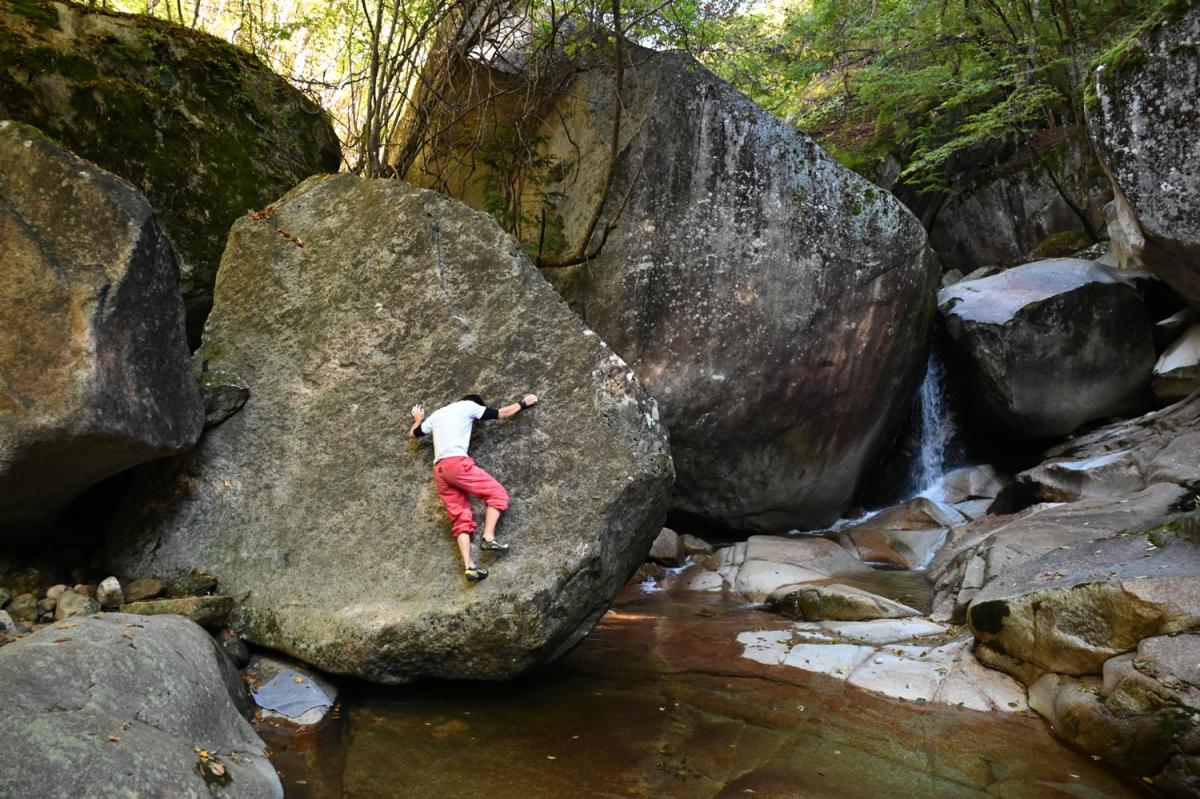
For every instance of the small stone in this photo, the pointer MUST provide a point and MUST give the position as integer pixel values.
(695, 546)
(24, 607)
(197, 583)
(85, 590)
(109, 593)
(143, 589)
(5, 595)
(7, 626)
(237, 650)
(74, 604)
(23, 581)
(56, 591)
(667, 549)
(49, 603)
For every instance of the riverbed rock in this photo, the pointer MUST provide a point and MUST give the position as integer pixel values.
(904, 536)
(313, 499)
(1072, 609)
(1113, 461)
(109, 593)
(73, 604)
(97, 377)
(23, 607)
(836, 602)
(1143, 116)
(1142, 716)
(1177, 371)
(763, 564)
(119, 705)
(1048, 346)
(199, 125)
(319, 689)
(694, 545)
(776, 304)
(667, 548)
(988, 548)
(145, 588)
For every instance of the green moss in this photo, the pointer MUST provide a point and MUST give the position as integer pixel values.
(41, 14)
(1063, 243)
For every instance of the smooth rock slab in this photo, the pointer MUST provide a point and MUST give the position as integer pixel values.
(95, 375)
(116, 706)
(312, 499)
(207, 611)
(837, 602)
(1071, 610)
(1051, 345)
(762, 564)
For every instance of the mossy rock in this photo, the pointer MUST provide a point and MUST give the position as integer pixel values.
(203, 129)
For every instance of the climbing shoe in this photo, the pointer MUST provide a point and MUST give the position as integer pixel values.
(475, 573)
(493, 545)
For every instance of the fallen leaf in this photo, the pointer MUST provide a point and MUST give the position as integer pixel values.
(298, 679)
(60, 640)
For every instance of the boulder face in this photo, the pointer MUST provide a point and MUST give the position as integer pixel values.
(1143, 118)
(118, 705)
(1016, 212)
(203, 128)
(95, 375)
(776, 304)
(348, 303)
(1050, 345)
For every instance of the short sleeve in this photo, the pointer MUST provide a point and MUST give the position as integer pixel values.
(426, 427)
(477, 411)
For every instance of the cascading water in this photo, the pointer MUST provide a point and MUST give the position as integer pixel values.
(937, 430)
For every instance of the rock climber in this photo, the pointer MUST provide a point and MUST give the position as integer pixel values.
(458, 478)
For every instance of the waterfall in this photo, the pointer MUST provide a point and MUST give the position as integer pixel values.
(937, 430)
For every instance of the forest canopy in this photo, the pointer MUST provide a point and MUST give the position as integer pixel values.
(920, 80)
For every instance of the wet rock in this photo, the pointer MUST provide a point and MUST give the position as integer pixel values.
(209, 611)
(114, 87)
(1177, 372)
(109, 593)
(23, 581)
(134, 697)
(836, 602)
(776, 304)
(763, 564)
(7, 627)
(970, 483)
(24, 607)
(321, 692)
(668, 549)
(309, 499)
(1072, 609)
(73, 604)
(1113, 461)
(1143, 118)
(138, 590)
(1174, 326)
(695, 546)
(235, 648)
(92, 346)
(1051, 345)
(904, 536)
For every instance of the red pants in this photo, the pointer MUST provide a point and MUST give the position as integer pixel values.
(457, 479)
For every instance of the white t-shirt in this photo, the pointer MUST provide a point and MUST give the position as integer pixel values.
(451, 427)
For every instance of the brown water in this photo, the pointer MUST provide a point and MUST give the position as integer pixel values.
(658, 701)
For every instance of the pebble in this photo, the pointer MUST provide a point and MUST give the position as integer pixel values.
(56, 591)
(109, 594)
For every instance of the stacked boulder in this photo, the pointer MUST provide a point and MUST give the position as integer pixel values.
(96, 371)
(340, 307)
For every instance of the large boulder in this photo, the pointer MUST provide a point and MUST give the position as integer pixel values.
(762, 565)
(1143, 716)
(201, 126)
(94, 363)
(349, 302)
(776, 304)
(1050, 345)
(1075, 607)
(1143, 111)
(121, 705)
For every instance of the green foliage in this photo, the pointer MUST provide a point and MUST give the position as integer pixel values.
(926, 80)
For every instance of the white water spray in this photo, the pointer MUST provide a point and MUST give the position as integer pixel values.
(937, 430)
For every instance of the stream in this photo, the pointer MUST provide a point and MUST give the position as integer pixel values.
(659, 701)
